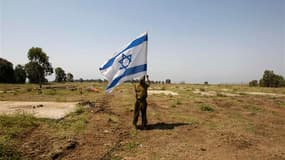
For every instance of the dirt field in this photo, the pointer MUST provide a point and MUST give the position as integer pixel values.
(53, 110)
(189, 125)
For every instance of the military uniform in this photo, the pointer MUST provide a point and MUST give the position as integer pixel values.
(141, 103)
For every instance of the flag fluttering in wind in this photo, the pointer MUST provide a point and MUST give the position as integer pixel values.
(126, 64)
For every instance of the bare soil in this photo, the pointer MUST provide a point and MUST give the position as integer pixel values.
(239, 127)
(151, 92)
(53, 110)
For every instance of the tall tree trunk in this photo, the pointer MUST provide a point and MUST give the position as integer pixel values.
(40, 83)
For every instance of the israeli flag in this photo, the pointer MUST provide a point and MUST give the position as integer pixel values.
(128, 63)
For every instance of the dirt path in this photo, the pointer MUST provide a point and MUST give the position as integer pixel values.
(103, 134)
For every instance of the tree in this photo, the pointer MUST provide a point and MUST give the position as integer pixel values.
(269, 79)
(261, 83)
(69, 77)
(206, 83)
(253, 83)
(20, 74)
(39, 66)
(167, 81)
(60, 75)
(6, 71)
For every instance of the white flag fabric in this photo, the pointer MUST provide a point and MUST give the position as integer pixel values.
(126, 64)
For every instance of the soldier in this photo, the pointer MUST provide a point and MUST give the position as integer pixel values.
(141, 103)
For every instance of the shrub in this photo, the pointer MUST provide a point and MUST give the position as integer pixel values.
(206, 108)
(270, 79)
(253, 83)
(167, 81)
(8, 151)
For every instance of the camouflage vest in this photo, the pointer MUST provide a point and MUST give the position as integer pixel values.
(141, 91)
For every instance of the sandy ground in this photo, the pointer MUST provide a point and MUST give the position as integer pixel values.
(151, 92)
(264, 94)
(53, 110)
(214, 93)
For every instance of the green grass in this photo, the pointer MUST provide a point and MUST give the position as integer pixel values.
(131, 146)
(220, 94)
(281, 104)
(254, 108)
(50, 92)
(206, 108)
(116, 158)
(72, 124)
(250, 128)
(15, 126)
(175, 102)
(8, 152)
(11, 128)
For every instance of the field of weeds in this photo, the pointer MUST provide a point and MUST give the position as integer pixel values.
(197, 122)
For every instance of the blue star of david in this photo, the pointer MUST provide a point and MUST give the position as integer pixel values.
(125, 61)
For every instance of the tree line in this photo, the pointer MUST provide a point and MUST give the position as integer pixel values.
(36, 70)
(269, 79)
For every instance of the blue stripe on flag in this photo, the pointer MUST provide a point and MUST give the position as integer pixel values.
(128, 72)
(134, 43)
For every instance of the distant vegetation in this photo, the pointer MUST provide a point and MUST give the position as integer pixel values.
(69, 77)
(167, 81)
(38, 66)
(60, 75)
(20, 74)
(269, 79)
(6, 71)
(253, 83)
(35, 70)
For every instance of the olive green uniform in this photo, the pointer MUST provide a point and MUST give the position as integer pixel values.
(141, 103)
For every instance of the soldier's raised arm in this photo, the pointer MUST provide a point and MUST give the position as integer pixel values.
(147, 80)
(135, 87)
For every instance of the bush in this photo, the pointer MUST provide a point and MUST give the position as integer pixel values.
(13, 126)
(50, 92)
(253, 83)
(206, 108)
(269, 79)
(167, 81)
(8, 151)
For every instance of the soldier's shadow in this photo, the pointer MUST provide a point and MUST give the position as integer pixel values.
(163, 126)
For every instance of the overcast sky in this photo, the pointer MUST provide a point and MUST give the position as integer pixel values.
(219, 41)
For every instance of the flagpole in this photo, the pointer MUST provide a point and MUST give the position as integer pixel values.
(146, 50)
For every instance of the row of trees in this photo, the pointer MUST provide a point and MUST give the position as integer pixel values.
(9, 75)
(269, 79)
(60, 75)
(35, 70)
